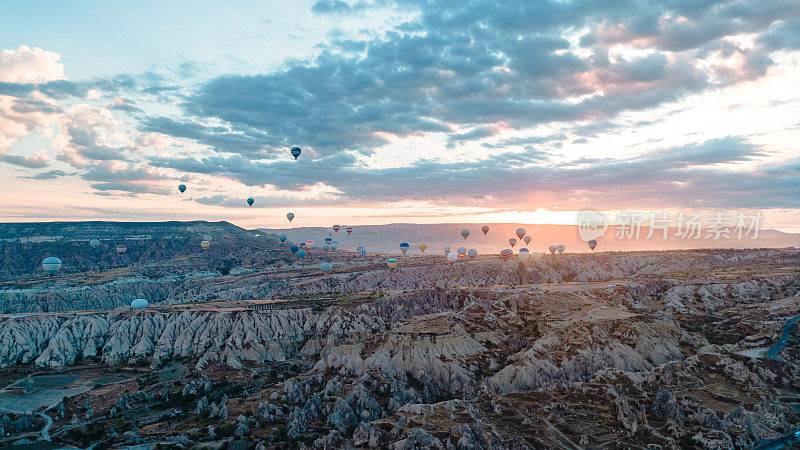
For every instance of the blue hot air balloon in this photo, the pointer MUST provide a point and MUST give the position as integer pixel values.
(404, 247)
(282, 238)
(301, 253)
(294, 248)
(296, 152)
(250, 201)
(51, 264)
(182, 188)
(139, 303)
(326, 267)
(328, 240)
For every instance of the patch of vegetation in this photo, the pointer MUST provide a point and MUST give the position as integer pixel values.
(147, 379)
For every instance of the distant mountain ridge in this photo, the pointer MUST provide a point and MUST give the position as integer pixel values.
(386, 238)
(109, 230)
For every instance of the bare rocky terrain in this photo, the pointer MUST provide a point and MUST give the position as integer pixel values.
(245, 346)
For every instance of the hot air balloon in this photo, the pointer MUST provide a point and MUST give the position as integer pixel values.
(329, 231)
(552, 249)
(94, 243)
(446, 250)
(294, 248)
(361, 251)
(524, 254)
(121, 248)
(592, 244)
(392, 263)
(282, 238)
(461, 251)
(309, 243)
(485, 229)
(301, 253)
(452, 258)
(561, 249)
(520, 232)
(334, 245)
(465, 233)
(349, 230)
(512, 242)
(422, 246)
(472, 253)
(326, 267)
(326, 247)
(296, 152)
(51, 264)
(250, 201)
(336, 228)
(182, 188)
(404, 247)
(207, 238)
(205, 244)
(506, 254)
(290, 216)
(536, 256)
(139, 303)
(328, 240)
(303, 245)
(527, 239)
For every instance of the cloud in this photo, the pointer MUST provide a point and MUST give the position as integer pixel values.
(49, 175)
(124, 104)
(29, 65)
(474, 64)
(88, 134)
(681, 176)
(36, 161)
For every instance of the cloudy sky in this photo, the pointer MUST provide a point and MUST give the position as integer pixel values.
(407, 111)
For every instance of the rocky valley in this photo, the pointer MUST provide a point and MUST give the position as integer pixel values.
(246, 346)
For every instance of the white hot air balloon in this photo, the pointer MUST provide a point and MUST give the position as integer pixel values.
(51, 264)
(452, 257)
(524, 254)
(139, 303)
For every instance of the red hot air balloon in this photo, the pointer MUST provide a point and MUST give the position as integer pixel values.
(349, 230)
(512, 242)
(336, 228)
(485, 229)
